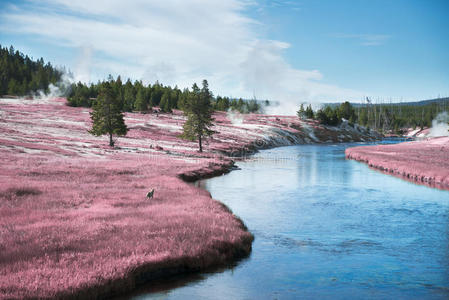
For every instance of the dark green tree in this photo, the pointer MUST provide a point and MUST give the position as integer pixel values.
(322, 117)
(332, 116)
(198, 110)
(346, 111)
(363, 118)
(301, 113)
(141, 104)
(106, 115)
(252, 106)
(165, 103)
(309, 112)
(222, 103)
(128, 96)
(327, 116)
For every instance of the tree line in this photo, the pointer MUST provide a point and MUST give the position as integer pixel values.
(393, 117)
(21, 75)
(138, 97)
(329, 115)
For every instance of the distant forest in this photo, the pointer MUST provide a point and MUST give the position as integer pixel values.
(135, 96)
(20, 75)
(392, 117)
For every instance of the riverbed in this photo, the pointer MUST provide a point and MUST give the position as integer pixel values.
(326, 227)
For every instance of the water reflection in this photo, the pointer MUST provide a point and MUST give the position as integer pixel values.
(327, 227)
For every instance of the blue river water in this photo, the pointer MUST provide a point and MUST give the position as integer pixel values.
(326, 228)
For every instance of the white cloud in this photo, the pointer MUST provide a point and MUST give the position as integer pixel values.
(175, 42)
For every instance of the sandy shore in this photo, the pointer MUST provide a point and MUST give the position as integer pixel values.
(74, 220)
(424, 162)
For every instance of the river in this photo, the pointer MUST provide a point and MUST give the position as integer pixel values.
(328, 228)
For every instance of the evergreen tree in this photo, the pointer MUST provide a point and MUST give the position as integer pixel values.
(106, 115)
(165, 103)
(174, 98)
(252, 106)
(309, 112)
(327, 116)
(198, 110)
(346, 111)
(363, 118)
(141, 104)
(156, 94)
(19, 75)
(128, 96)
(118, 91)
(322, 117)
(332, 116)
(222, 103)
(301, 112)
(183, 99)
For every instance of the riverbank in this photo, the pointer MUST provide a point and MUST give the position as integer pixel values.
(424, 162)
(75, 221)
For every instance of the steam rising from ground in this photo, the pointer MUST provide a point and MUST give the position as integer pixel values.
(61, 89)
(440, 126)
(84, 61)
(235, 117)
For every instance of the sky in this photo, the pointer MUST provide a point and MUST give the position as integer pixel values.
(290, 51)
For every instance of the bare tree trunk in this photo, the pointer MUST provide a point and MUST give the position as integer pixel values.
(111, 142)
(200, 143)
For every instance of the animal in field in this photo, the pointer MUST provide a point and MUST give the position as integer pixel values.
(150, 194)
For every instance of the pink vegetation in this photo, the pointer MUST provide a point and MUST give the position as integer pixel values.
(74, 218)
(424, 162)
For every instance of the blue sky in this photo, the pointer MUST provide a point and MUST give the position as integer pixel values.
(291, 51)
(393, 48)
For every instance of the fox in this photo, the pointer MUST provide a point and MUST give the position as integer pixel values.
(150, 194)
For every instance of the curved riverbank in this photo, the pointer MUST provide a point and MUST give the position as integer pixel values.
(424, 162)
(75, 222)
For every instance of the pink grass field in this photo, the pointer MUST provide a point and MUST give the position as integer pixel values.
(74, 220)
(425, 162)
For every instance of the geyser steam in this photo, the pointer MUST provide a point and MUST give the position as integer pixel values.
(440, 126)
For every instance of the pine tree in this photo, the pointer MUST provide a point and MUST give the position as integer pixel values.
(309, 112)
(140, 104)
(198, 109)
(165, 103)
(363, 118)
(106, 115)
(128, 96)
(346, 111)
(301, 112)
